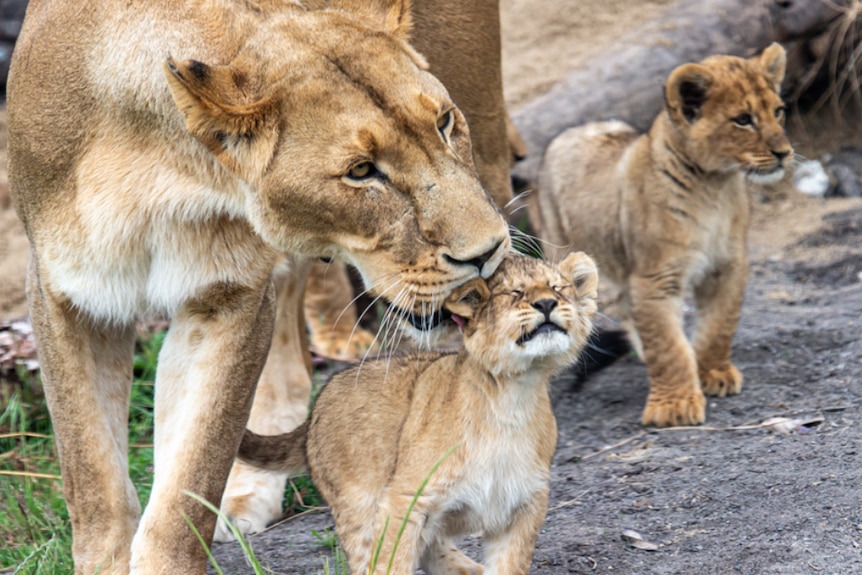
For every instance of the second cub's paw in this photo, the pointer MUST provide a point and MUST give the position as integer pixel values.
(671, 411)
(721, 381)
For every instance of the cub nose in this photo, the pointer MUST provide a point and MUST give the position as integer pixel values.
(546, 306)
(780, 154)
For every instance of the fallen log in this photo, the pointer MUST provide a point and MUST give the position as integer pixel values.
(626, 84)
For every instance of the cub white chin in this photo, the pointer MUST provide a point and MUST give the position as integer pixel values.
(768, 178)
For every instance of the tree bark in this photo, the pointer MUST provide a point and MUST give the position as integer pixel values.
(627, 83)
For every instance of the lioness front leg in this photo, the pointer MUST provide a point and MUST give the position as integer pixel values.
(719, 301)
(675, 397)
(87, 369)
(331, 314)
(209, 365)
(253, 497)
(510, 552)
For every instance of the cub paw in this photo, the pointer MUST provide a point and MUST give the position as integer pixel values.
(252, 500)
(689, 409)
(721, 381)
(349, 346)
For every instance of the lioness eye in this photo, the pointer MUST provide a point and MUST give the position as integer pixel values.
(743, 120)
(362, 171)
(445, 124)
(779, 111)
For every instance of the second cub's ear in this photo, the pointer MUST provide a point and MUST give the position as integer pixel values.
(466, 299)
(582, 270)
(774, 62)
(226, 110)
(686, 91)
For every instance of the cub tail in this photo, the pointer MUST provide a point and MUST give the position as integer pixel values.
(283, 453)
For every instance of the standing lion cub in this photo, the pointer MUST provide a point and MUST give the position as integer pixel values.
(377, 429)
(668, 210)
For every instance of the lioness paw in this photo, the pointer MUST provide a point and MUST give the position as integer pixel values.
(721, 381)
(664, 411)
(348, 346)
(251, 501)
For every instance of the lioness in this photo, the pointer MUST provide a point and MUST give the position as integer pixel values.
(668, 210)
(377, 429)
(162, 156)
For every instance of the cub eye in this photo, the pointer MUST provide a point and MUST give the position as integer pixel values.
(743, 120)
(363, 171)
(779, 112)
(516, 293)
(445, 123)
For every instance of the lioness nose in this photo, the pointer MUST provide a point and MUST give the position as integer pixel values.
(478, 261)
(546, 306)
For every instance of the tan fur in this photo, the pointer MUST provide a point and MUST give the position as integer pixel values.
(162, 155)
(461, 42)
(669, 210)
(377, 429)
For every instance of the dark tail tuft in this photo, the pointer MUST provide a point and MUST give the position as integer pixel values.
(603, 348)
(285, 452)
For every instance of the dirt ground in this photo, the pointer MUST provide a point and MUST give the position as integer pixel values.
(711, 500)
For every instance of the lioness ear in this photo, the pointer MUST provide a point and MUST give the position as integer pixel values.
(225, 110)
(686, 91)
(393, 15)
(774, 62)
(582, 269)
(466, 299)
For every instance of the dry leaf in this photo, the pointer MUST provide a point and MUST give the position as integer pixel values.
(637, 541)
(789, 425)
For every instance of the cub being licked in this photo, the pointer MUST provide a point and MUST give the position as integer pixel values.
(669, 210)
(377, 429)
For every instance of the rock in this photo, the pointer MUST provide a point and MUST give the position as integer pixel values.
(811, 179)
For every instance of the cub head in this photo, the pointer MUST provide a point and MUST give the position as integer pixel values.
(728, 114)
(529, 315)
(347, 147)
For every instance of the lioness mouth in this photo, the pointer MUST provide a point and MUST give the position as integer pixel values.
(430, 321)
(547, 327)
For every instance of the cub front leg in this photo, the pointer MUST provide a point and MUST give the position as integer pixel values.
(87, 377)
(511, 551)
(675, 396)
(208, 367)
(253, 497)
(719, 301)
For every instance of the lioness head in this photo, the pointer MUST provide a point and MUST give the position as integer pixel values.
(730, 114)
(349, 149)
(529, 315)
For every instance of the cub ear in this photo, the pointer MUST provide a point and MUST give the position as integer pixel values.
(225, 110)
(582, 269)
(774, 62)
(466, 299)
(686, 91)
(394, 15)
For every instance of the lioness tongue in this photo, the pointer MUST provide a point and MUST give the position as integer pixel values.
(459, 321)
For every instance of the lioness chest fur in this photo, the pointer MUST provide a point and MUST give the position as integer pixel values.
(377, 429)
(669, 210)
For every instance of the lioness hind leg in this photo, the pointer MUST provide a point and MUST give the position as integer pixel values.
(443, 558)
(675, 396)
(204, 391)
(719, 301)
(253, 497)
(87, 369)
(331, 315)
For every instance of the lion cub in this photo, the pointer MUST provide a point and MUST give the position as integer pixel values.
(669, 210)
(377, 429)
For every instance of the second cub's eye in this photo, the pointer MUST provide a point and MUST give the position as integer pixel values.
(743, 120)
(363, 171)
(445, 123)
(779, 112)
(517, 293)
